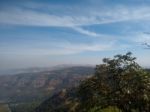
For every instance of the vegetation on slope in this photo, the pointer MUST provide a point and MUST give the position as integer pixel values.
(119, 84)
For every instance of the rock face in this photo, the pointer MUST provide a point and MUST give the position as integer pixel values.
(40, 85)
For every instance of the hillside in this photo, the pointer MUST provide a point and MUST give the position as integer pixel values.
(65, 101)
(118, 85)
(62, 101)
(27, 87)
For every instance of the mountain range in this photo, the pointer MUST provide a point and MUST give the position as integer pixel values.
(37, 86)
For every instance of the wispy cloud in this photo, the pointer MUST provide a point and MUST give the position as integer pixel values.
(33, 17)
(63, 48)
(77, 21)
(114, 27)
(142, 37)
(86, 32)
(30, 17)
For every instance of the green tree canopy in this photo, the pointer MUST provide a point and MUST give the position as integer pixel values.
(119, 82)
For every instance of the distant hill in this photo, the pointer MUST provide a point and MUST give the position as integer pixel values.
(26, 87)
(33, 69)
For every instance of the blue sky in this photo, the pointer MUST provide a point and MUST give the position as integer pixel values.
(41, 33)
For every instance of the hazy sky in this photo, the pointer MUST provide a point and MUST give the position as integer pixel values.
(36, 33)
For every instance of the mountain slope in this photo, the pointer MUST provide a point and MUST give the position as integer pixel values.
(28, 87)
(63, 101)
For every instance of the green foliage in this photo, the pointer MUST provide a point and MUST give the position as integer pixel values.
(119, 82)
(108, 109)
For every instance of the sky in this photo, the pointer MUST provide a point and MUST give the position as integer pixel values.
(44, 33)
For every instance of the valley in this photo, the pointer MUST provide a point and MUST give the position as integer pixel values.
(25, 91)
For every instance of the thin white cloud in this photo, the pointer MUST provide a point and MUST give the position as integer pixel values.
(140, 37)
(30, 17)
(86, 32)
(144, 38)
(64, 48)
(18, 16)
(89, 47)
(33, 17)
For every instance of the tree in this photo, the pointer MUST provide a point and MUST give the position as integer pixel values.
(119, 82)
